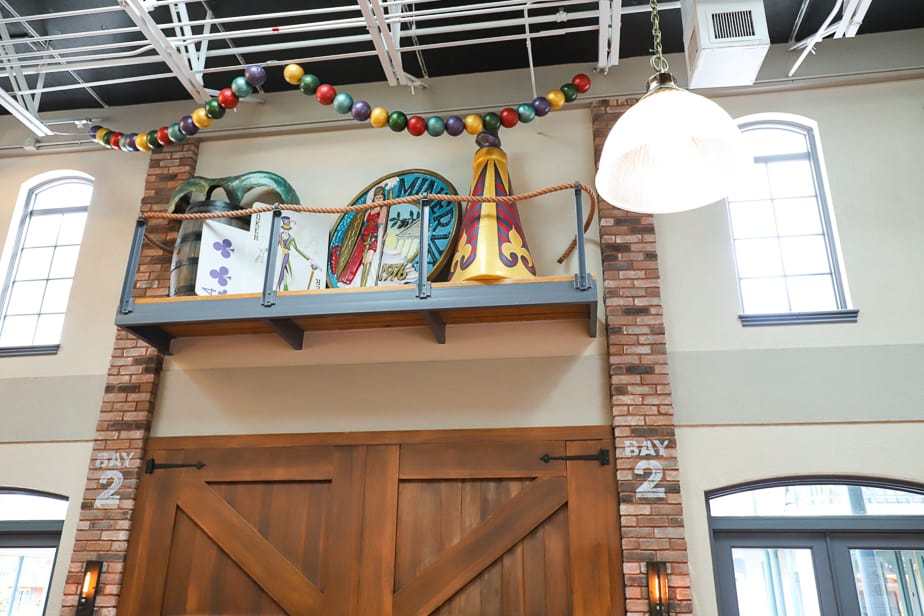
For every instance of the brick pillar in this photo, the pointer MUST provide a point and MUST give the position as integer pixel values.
(127, 408)
(651, 512)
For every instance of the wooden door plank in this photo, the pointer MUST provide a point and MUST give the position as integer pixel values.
(265, 464)
(485, 460)
(593, 534)
(512, 590)
(340, 560)
(376, 575)
(458, 565)
(557, 565)
(279, 578)
(149, 544)
(534, 581)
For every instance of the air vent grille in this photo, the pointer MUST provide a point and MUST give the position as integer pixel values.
(732, 25)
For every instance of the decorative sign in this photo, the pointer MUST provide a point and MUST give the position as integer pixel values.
(649, 469)
(112, 480)
(233, 260)
(380, 246)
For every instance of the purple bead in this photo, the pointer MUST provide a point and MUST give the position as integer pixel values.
(454, 126)
(255, 75)
(93, 130)
(187, 126)
(130, 141)
(542, 106)
(360, 110)
(487, 140)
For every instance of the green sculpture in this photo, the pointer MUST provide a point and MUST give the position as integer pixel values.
(235, 186)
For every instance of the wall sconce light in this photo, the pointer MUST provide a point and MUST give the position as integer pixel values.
(88, 587)
(657, 589)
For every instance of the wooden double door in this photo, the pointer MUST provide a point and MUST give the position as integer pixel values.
(463, 523)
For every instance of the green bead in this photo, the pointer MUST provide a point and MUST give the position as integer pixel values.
(526, 112)
(435, 126)
(570, 91)
(343, 102)
(175, 134)
(397, 121)
(153, 142)
(492, 122)
(105, 139)
(213, 109)
(308, 83)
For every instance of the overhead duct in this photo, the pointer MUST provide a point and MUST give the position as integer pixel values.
(725, 41)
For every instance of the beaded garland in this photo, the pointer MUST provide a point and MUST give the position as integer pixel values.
(360, 110)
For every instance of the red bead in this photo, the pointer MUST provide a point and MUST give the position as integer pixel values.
(228, 99)
(325, 93)
(162, 137)
(582, 82)
(416, 125)
(509, 117)
(114, 140)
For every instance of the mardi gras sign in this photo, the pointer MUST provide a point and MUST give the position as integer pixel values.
(380, 246)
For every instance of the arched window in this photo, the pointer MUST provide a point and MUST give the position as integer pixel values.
(819, 546)
(785, 241)
(40, 257)
(30, 530)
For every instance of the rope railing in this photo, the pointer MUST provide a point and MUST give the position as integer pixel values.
(388, 202)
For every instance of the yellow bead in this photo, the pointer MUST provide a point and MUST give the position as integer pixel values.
(99, 134)
(142, 142)
(200, 118)
(293, 73)
(556, 98)
(378, 117)
(473, 123)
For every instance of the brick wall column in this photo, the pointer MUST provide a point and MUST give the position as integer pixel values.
(651, 515)
(127, 408)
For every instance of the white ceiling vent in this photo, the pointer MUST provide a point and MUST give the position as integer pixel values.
(726, 41)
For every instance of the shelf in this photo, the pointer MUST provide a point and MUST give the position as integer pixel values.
(159, 320)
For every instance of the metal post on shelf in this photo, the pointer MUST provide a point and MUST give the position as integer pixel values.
(269, 276)
(582, 278)
(127, 303)
(423, 255)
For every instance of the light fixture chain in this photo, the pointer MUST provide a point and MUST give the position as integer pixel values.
(658, 61)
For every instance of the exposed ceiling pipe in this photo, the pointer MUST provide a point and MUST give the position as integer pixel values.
(816, 37)
(849, 9)
(857, 20)
(798, 23)
(26, 18)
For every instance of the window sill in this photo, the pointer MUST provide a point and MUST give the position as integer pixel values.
(20, 351)
(847, 315)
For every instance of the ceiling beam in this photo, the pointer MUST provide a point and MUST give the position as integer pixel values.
(172, 58)
(382, 42)
(22, 114)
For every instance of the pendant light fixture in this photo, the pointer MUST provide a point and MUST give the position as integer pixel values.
(673, 150)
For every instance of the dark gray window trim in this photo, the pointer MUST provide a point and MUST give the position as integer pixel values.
(20, 351)
(846, 315)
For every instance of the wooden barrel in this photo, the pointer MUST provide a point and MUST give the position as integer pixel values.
(186, 250)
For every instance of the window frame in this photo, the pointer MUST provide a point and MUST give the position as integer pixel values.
(12, 250)
(843, 312)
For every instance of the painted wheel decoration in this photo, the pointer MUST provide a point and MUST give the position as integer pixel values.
(326, 94)
(380, 247)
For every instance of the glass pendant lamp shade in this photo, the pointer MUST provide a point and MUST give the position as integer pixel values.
(672, 151)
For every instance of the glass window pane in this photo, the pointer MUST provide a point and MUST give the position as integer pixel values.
(752, 219)
(889, 582)
(758, 258)
(811, 293)
(63, 194)
(776, 140)
(31, 507)
(791, 178)
(817, 500)
(18, 331)
(764, 295)
(72, 228)
(755, 187)
(25, 574)
(43, 230)
(26, 297)
(798, 216)
(805, 254)
(775, 581)
(49, 329)
(34, 263)
(56, 294)
(65, 262)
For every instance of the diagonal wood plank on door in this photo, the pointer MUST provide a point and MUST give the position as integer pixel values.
(249, 549)
(458, 565)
